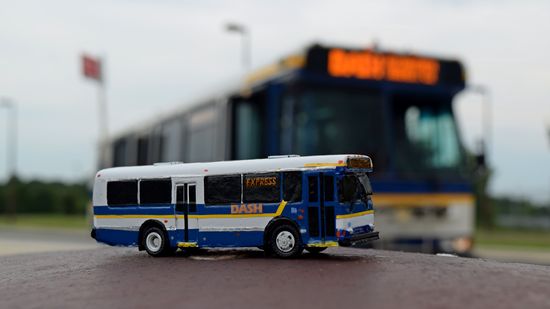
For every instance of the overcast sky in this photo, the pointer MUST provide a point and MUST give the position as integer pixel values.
(163, 54)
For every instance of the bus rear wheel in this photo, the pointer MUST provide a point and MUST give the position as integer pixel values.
(285, 242)
(156, 242)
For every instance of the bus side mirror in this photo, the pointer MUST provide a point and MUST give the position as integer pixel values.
(480, 161)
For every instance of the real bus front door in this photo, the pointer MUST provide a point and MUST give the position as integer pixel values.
(186, 206)
(321, 203)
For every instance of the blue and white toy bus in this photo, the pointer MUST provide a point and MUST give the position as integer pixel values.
(283, 204)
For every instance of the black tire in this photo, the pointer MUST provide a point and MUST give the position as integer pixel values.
(155, 241)
(316, 250)
(289, 244)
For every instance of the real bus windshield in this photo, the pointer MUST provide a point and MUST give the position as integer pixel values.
(412, 135)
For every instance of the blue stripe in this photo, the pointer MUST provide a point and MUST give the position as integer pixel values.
(168, 209)
(226, 209)
(135, 210)
(231, 239)
(207, 239)
(117, 237)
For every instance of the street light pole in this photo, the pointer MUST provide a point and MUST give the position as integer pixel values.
(11, 158)
(103, 122)
(246, 43)
(548, 128)
(487, 116)
(484, 207)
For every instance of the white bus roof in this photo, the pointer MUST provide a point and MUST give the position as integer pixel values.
(274, 163)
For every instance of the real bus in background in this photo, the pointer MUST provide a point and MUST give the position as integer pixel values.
(396, 108)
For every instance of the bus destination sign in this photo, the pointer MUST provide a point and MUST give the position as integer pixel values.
(367, 64)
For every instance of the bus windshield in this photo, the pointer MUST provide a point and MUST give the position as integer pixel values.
(333, 121)
(426, 137)
(354, 187)
(412, 136)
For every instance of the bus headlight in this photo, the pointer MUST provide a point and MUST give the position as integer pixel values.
(462, 244)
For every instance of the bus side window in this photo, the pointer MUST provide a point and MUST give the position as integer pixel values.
(292, 186)
(329, 187)
(261, 188)
(122, 193)
(223, 189)
(312, 182)
(155, 191)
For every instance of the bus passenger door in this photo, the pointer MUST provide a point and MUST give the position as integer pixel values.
(186, 208)
(321, 203)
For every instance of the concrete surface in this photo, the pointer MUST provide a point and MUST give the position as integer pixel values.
(34, 240)
(341, 278)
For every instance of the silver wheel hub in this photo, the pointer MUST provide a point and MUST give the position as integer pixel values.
(285, 241)
(153, 241)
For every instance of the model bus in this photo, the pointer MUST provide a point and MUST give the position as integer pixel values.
(397, 108)
(282, 204)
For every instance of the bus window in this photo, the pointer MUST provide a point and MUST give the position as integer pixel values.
(261, 188)
(329, 187)
(292, 186)
(142, 150)
(155, 191)
(122, 193)
(225, 189)
(201, 128)
(312, 181)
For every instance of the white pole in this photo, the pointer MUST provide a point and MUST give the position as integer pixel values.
(11, 156)
(487, 116)
(103, 116)
(11, 159)
(246, 48)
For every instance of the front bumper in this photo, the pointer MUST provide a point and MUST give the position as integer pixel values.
(359, 239)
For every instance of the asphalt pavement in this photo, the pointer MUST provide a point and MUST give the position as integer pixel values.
(111, 277)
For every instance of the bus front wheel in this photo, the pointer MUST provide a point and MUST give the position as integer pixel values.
(155, 242)
(285, 241)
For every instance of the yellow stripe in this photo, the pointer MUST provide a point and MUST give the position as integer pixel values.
(187, 244)
(421, 199)
(291, 62)
(357, 214)
(277, 213)
(280, 209)
(323, 244)
(323, 164)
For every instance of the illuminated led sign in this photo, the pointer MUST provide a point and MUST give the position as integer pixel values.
(364, 64)
(260, 182)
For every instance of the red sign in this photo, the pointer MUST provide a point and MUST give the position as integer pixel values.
(91, 67)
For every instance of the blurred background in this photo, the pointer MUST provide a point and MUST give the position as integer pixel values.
(449, 98)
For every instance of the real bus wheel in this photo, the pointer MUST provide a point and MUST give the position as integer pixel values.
(285, 242)
(155, 242)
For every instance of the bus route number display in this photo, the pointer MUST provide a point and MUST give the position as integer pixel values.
(365, 64)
